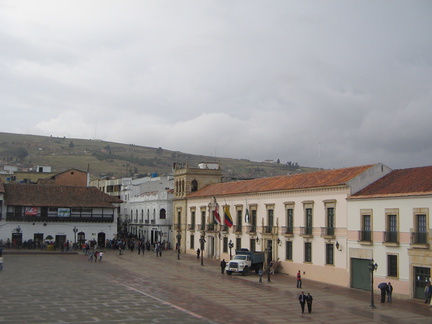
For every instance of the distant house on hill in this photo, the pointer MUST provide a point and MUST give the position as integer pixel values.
(71, 177)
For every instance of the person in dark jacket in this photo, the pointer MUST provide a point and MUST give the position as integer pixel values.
(302, 300)
(309, 302)
(223, 265)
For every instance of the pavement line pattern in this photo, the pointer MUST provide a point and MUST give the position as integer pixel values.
(163, 302)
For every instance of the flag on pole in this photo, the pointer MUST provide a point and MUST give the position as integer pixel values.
(228, 218)
(247, 216)
(216, 215)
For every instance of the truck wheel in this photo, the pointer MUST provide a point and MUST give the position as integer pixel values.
(245, 271)
(229, 273)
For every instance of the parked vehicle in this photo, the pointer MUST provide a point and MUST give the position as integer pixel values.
(245, 261)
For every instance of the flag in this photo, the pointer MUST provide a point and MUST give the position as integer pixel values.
(228, 218)
(216, 215)
(247, 216)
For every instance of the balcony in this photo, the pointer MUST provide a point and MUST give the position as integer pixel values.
(202, 227)
(391, 237)
(328, 232)
(306, 231)
(223, 228)
(288, 230)
(268, 229)
(94, 218)
(365, 236)
(237, 228)
(420, 238)
(251, 229)
(191, 227)
(210, 227)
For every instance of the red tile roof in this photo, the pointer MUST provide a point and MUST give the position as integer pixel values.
(56, 196)
(402, 182)
(319, 179)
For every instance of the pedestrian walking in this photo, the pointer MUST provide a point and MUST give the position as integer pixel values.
(91, 256)
(100, 256)
(428, 293)
(1, 263)
(299, 280)
(260, 273)
(389, 292)
(302, 300)
(223, 265)
(309, 302)
(198, 253)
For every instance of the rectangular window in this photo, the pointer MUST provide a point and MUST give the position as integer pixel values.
(308, 221)
(203, 220)
(330, 221)
(329, 254)
(253, 220)
(421, 235)
(289, 250)
(392, 265)
(290, 221)
(192, 242)
(391, 234)
(178, 218)
(270, 217)
(238, 244)
(193, 220)
(252, 245)
(239, 218)
(225, 245)
(366, 234)
(308, 252)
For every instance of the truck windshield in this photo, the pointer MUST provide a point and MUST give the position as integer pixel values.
(240, 257)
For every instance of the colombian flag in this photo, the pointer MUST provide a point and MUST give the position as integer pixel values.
(228, 218)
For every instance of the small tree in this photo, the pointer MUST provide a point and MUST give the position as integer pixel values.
(71, 145)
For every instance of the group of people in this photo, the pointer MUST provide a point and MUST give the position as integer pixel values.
(428, 294)
(386, 290)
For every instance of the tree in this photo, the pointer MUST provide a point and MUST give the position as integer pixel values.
(21, 154)
(71, 145)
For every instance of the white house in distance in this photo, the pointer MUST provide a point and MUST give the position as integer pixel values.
(147, 208)
(300, 219)
(389, 222)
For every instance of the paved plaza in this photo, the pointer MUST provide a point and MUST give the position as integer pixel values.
(132, 288)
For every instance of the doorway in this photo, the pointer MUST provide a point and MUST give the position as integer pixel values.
(421, 278)
(38, 239)
(101, 240)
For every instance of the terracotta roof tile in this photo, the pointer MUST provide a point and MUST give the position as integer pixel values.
(56, 196)
(326, 178)
(402, 182)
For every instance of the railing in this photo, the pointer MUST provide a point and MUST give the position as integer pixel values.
(391, 237)
(268, 229)
(202, 227)
(223, 228)
(365, 236)
(191, 227)
(251, 229)
(237, 228)
(419, 238)
(306, 230)
(210, 227)
(327, 231)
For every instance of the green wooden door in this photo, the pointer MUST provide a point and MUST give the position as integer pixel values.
(360, 274)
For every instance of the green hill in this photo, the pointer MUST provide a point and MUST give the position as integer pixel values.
(109, 159)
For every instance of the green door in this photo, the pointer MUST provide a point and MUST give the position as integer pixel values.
(360, 274)
(421, 278)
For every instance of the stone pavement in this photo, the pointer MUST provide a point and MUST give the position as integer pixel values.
(132, 288)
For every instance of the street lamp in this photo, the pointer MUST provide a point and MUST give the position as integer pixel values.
(268, 250)
(372, 267)
(202, 241)
(230, 245)
(178, 245)
(75, 230)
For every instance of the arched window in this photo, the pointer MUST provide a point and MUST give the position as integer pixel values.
(194, 185)
(162, 213)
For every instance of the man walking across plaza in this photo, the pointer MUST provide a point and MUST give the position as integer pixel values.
(302, 300)
(299, 281)
(309, 302)
(223, 265)
(389, 292)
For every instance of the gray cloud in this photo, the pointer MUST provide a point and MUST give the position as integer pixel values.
(329, 84)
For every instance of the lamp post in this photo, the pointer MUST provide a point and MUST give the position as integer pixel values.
(202, 241)
(268, 250)
(178, 245)
(372, 267)
(230, 245)
(75, 230)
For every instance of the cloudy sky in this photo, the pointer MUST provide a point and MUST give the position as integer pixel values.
(323, 83)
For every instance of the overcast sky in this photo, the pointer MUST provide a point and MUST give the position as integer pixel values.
(323, 83)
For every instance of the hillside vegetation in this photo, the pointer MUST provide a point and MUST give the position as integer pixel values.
(109, 159)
